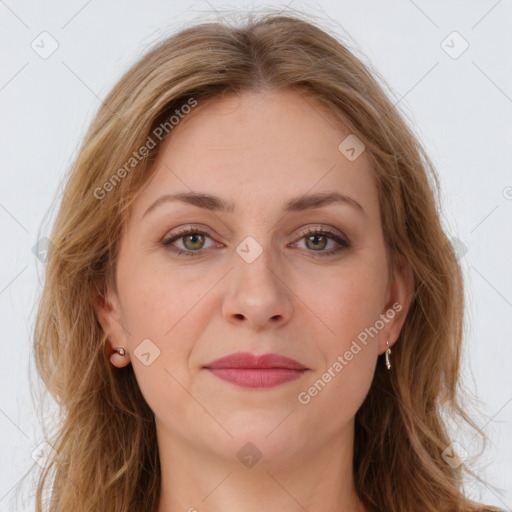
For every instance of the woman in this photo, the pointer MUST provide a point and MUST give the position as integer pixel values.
(250, 302)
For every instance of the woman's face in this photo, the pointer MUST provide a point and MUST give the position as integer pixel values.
(253, 278)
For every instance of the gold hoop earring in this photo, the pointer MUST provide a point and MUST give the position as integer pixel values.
(388, 351)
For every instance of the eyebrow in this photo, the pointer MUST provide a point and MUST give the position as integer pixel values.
(214, 203)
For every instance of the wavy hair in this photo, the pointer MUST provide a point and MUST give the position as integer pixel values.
(106, 455)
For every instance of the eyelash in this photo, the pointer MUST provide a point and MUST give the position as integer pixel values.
(344, 244)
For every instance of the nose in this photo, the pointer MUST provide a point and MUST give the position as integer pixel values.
(257, 294)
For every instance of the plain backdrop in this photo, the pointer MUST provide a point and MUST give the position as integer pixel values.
(457, 99)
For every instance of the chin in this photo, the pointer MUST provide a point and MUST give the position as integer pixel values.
(262, 435)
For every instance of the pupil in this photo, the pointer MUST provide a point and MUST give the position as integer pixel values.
(315, 238)
(191, 237)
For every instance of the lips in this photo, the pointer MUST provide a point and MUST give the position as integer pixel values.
(252, 361)
(253, 371)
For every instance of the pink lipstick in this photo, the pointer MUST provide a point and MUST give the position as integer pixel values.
(253, 371)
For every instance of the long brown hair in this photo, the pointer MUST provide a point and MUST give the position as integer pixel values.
(106, 455)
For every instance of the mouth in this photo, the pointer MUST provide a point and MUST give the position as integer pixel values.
(253, 371)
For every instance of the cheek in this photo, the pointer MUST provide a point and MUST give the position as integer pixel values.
(352, 303)
(167, 307)
(350, 306)
(157, 309)
(347, 301)
(158, 296)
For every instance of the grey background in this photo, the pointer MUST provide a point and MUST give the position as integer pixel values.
(459, 107)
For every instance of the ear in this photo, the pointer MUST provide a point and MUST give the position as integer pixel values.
(107, 309)
(398, 301)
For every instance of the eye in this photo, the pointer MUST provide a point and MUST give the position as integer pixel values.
(317, 239)
(193, 240)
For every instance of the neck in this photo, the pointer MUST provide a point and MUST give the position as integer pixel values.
(318, 479)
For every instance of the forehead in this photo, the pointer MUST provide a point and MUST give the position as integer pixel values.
(259, 148)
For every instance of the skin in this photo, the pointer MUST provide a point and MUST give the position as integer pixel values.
(257, 150)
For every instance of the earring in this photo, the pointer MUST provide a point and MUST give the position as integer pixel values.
(120, 351)
(388, 351)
